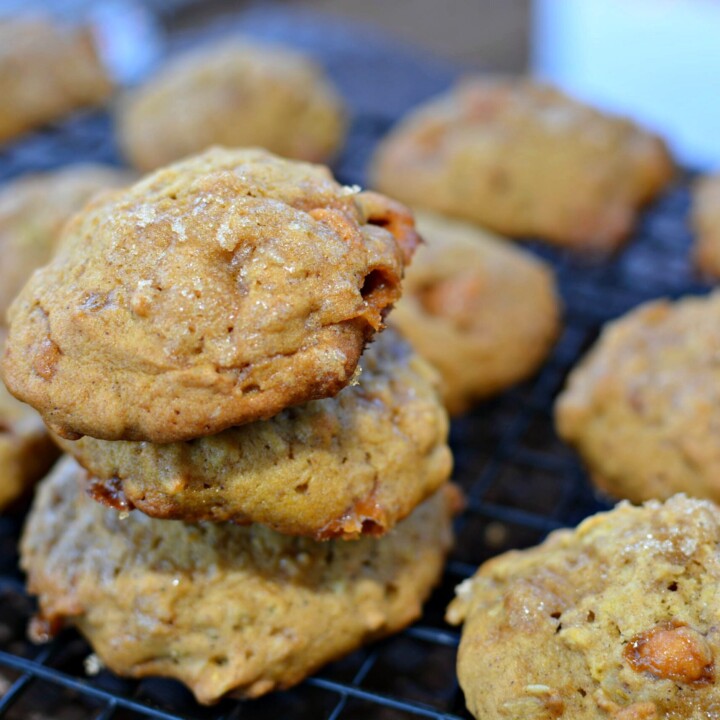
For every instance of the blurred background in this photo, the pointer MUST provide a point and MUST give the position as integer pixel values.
(657, 60)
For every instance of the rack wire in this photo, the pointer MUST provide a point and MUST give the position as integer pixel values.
(521, 481)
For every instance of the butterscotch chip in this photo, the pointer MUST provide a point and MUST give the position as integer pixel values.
(483, 312)
(221, 607)
(46, 71)
(523, 159)
(706, 223)
(344, 467)
(33, 211)
(616, 619)
(643, 406)
(235, 94)
(215, 292)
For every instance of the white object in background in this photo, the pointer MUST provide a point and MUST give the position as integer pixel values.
(128, 33)
(657, 61)
(129, 37)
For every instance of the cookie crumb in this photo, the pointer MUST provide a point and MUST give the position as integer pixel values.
(93, 664)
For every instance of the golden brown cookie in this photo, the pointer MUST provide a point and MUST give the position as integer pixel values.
(706, 223)
(523, 159)
(46, 72)
(616, 619)
(26, 450)
(221, 607)
(235, 94)
(643, 407)
(346, 466)
(33, 210)
(215, 292)
(482, 311)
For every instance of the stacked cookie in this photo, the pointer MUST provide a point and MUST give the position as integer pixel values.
(195, 345)
(33, 210)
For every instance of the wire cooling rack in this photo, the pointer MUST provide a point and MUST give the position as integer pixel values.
(521, 482)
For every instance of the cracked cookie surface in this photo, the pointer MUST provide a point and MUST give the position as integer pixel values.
(346, 466)
(220, 607)
(212, 293)
(614, 620)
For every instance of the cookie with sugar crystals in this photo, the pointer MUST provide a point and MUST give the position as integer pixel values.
(616, 619)
(214, 292)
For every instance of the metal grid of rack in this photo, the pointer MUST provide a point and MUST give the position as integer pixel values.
(521, 482)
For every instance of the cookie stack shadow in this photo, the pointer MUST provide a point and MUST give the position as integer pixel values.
(245, 497)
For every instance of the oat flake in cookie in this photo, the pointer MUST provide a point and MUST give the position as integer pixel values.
(617, 619)
(214, 292)
(346, 466)
(220, 607)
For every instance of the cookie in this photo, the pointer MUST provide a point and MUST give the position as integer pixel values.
(346, 466)
(523, 159)
(215, 292)
(33, 211)
(482, 311)
(616, 619)
(706, 223)
(643, 407)
(26, 450)
(218, 606)
(46, 72)
(235, 94)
